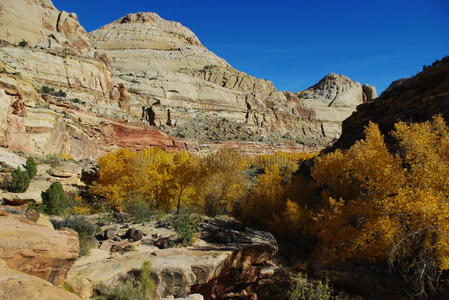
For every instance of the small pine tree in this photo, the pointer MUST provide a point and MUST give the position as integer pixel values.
(54, 199)
(19, 182)
(31, 167)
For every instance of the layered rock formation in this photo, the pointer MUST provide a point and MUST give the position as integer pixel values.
(416, 99)
(38, 23)
(164, 65)
(37, 250)
(84, 95)
(16, 285)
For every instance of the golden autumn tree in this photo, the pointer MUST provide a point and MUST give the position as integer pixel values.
(185, 173)
(390, 207)
(265, 199)
(221, 181)
(130, 176)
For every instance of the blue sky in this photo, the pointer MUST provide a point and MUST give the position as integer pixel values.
(296, 43)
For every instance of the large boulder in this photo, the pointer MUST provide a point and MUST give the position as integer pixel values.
(16, 285)
(37, 250)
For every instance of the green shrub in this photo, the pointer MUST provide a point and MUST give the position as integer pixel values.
(186, 226)
(78, 223)
(19, 182)
(23, 43)
(3, 70)
(129, 287)
(53, 159)
(75, 100)
(31, 167)
(146, 282)
(47, 90)
(85, 230)
(60, 93)
(304, 289)
(139, 211)
(54, 199)
(106, 214)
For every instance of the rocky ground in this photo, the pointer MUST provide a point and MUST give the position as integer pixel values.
(222, 261)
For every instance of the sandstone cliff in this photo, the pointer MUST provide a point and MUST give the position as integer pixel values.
(141, 60)
(163, 63)
(416, 99)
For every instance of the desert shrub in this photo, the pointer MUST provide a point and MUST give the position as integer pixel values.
(186, 226)
(54, 199)
(129, 287)
(3, 70)
(31, 167)
(60, 93)
(46, 90)
(20, 180)
(139, 211)
(78, 223)
(303, 289)
(85, 230)
(53, 159)
(11, 210)
(76, 100)
(23, 43)
(386, 207)
(51, 91)
(106, 214)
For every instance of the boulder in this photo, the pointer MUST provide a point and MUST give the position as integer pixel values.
(16, 285)
(38, 218)
(17, 199)
(37, 250)
(10, 159)
(108, 234)
(133, 234)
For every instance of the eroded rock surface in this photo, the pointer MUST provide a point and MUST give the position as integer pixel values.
(37, 249)
(163, 62)
(143, 62)
(205, 267)
(16, 285)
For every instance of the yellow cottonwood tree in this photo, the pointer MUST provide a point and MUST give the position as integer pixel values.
(186, 170)
(222, 180)
(390, 207)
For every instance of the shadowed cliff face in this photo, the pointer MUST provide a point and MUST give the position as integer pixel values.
(416, 99)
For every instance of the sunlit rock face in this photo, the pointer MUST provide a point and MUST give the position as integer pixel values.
(142, 63)
(163, 62)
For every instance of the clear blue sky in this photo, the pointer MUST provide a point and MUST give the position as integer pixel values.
(294, 43)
